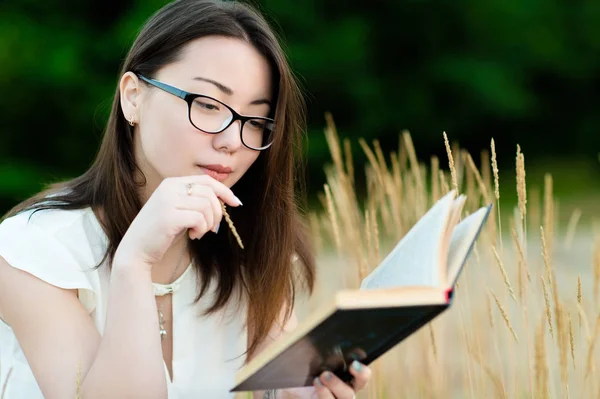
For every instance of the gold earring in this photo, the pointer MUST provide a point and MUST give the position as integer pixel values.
(131, 122)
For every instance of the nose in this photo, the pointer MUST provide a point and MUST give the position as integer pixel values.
(229, 139)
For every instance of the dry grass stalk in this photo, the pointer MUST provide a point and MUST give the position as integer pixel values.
(333, 219)
(498, 383)
(333, 143)
(380, 200)
(469, 186)
(432, 338)
(380, 158)
(342, 187)
(579, 298)
(520, 281)
(349, 161)
(579, 292)
(546, 257)
(504, 275)
(548, 307)
(541, 363)
(458, 164)
(396, 195)
(585, 323)
(482, 187)
(496, 189)
(563, 342)
(468, 380)
(559, 318)
(315, 231)
(521, 185)
(370, 262)
(534, 208)
(375, 232)
(372, 160)
(596, 266)
(521, 264)
(451, 163)
(416, 172)
(444, 183)
(571, 226)
(486, 169)
(395, 204)
(504, 316)
(522, 195)
(435, 183)
(342, 205)
(548, 209)
(489, 310)
(590, 364)
(231, 226)
(571, 341)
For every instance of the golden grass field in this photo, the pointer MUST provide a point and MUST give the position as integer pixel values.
(525, 319)
(524, 322)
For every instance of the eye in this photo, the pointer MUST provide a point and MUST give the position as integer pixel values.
(209, 106)
(258, 124)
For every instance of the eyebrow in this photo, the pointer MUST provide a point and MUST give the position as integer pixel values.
(229, 91)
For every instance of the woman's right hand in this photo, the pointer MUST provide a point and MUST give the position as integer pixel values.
(171, 211)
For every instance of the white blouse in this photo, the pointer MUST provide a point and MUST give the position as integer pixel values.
(61, 247)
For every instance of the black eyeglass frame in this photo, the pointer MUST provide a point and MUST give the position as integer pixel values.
(189, 99)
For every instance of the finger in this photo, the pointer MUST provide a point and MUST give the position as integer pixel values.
(361, 373)
(217, 210)
(200, 204)
(208, 193)
(338, 388)
(221, 190)
(193, 220)
(322, 391)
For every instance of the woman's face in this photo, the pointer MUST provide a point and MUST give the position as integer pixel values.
(166, 144)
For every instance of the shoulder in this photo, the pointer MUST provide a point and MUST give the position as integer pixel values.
(69, 228)
(60, 247)
(52, 221)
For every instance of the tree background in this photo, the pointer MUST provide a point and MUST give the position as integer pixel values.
(520, 71)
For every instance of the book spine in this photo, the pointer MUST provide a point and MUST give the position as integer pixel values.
(449, 295)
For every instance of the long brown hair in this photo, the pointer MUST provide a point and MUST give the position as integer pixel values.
(270, 223)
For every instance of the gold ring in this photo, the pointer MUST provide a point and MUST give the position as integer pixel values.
(189, 189)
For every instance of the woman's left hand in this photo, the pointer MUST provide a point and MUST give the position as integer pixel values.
(329, 386)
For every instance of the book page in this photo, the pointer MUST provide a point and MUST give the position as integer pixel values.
(415, 259)
(463, 239)
(453, 219)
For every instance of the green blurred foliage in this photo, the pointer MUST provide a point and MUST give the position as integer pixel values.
(524, 72)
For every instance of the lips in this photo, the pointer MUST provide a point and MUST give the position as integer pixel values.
(217, 172)
(218, 168)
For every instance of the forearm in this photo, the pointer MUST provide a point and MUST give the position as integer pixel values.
(129, 360)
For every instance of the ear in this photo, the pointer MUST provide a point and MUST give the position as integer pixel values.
(129, 89)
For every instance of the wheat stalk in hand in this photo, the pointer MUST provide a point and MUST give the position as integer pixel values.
(231, 226)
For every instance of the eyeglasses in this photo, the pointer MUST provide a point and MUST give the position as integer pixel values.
(212, 116)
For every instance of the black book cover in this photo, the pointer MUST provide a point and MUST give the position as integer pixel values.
(363, 334)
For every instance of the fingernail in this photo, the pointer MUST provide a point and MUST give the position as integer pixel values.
(217, 228)
(238, 200)
(318, 382)
(328, 376)
(356, 365)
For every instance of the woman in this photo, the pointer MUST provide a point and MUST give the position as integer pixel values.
(95, 294)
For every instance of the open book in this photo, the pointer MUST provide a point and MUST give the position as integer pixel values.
(410, 287)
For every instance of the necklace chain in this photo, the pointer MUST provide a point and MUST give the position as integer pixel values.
(161, 319)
